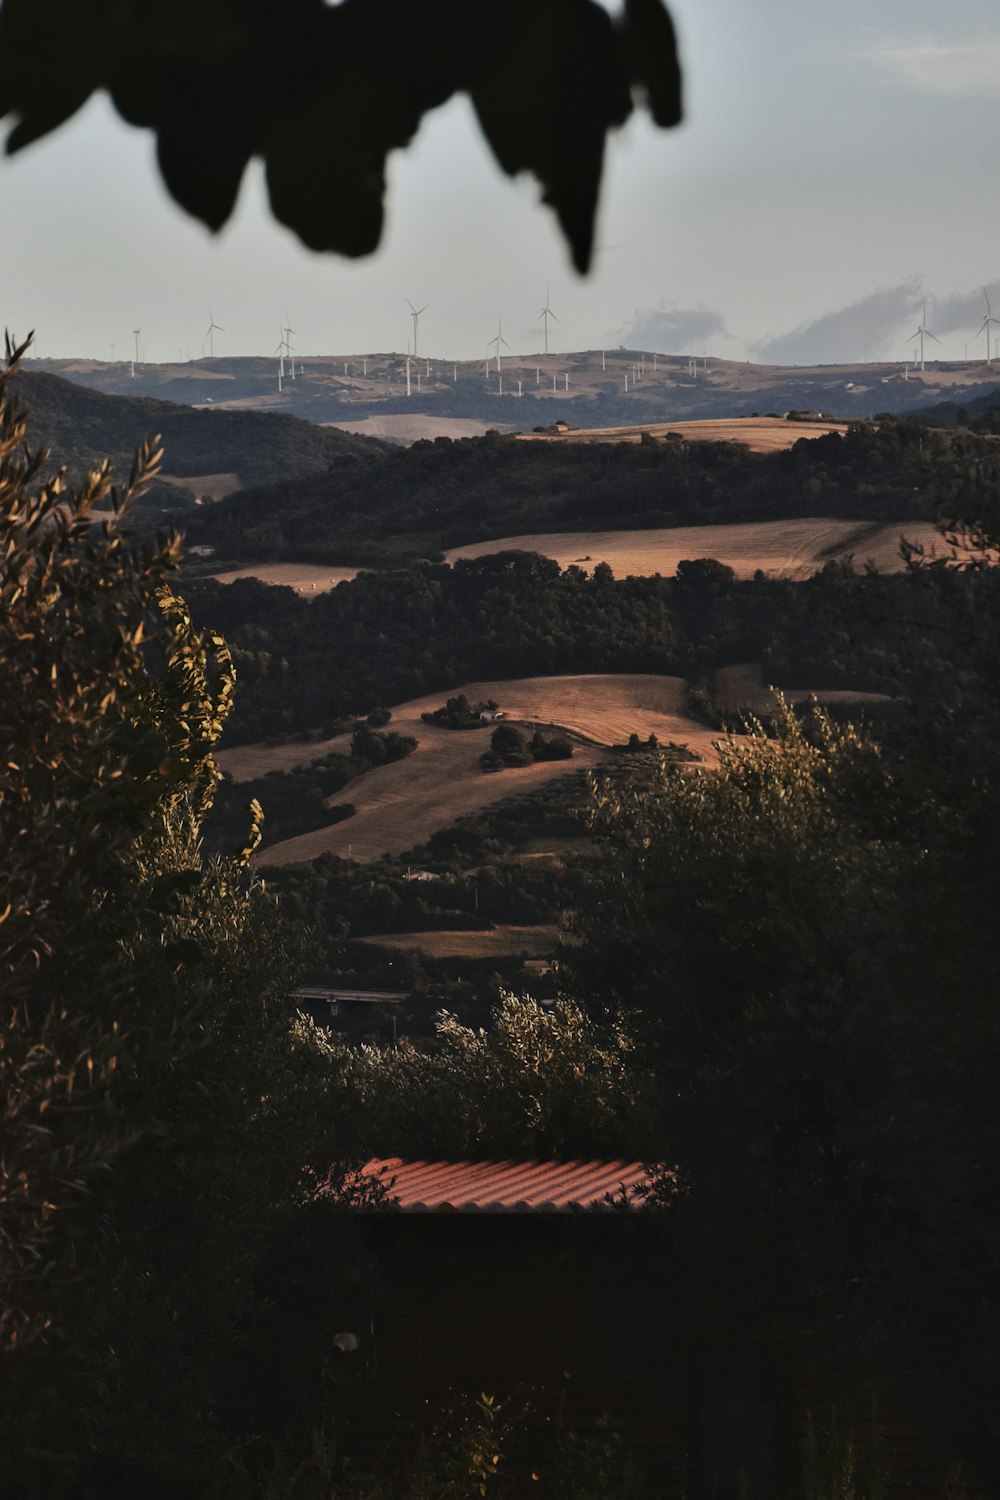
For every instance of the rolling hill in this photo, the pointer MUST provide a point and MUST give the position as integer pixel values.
(206, 451)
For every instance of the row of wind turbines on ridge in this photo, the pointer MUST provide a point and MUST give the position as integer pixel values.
(924, 332)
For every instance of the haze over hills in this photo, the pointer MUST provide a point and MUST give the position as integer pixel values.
(589, 388)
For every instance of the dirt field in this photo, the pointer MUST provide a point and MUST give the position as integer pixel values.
(785, 549)
(500, 942)
(759, 434)
(401, 804)
(304, 578)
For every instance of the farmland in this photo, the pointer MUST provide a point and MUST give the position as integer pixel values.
(783, 549)
(758, 434)
(401, 805)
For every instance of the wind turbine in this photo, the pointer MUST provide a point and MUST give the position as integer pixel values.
(280, 352)
(920, 335)
(545, 314)
(987, 320)
(212, 326)
(415, 315)
(288, 332)
(135, 334)
(498, 341)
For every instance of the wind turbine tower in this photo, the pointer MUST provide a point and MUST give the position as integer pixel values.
(415, 315)
(987, 320)
(212, 326)
(135, 334)
(545, 314)
(498, 341)
(921, 331)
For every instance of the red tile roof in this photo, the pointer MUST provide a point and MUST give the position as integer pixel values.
(494, 1187)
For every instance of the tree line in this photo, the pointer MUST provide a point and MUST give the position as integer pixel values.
(434, 495)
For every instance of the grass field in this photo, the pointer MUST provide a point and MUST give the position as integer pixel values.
(759, 434)
(497, 942)
(304, 578)
(401, 427)
(741, 689)
(402, 804)
(784, 549)
(214, 486)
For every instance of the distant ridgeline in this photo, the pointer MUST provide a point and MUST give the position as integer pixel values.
(390, 636)
(416, 502)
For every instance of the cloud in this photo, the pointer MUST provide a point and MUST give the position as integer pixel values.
(841, 337)
(962, 310)
(936, 67)
(673, 330)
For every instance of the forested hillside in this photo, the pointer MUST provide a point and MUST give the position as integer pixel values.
(387, 637)
(84, 426)
(436, 495)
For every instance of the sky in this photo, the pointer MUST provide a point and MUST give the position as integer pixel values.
(835, 169)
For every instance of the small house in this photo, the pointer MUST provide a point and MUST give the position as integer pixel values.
(547, 1283)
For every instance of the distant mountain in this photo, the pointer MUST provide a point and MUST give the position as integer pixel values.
(244, 447)
(591, 388)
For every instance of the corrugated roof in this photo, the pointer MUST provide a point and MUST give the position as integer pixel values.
(508, 1187)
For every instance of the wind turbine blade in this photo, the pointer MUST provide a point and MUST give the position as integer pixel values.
(987, 296)
(552, 315)
(409, 304)
(932, 336)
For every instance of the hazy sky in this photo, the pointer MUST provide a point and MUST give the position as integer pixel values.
(837, 166)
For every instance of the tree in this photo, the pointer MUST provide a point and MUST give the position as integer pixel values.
(803, 942)
(537, 1082)
(148, 1153)
(205, 72)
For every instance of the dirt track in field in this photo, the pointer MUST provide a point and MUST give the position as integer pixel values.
(400, 805)
(784, 549)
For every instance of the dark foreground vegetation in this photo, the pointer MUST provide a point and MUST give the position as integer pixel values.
(786, 992)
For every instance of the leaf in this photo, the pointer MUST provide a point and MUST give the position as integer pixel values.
(651, 55)
(547, 103)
